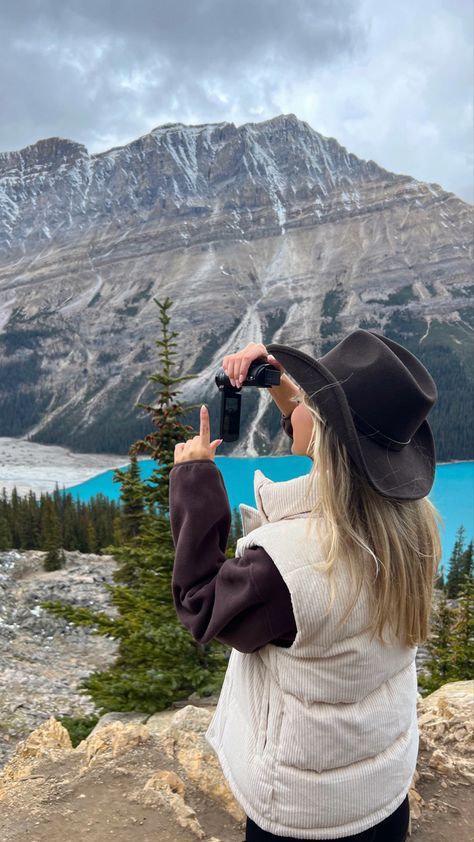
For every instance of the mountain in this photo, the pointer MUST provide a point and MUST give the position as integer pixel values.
(262, 232)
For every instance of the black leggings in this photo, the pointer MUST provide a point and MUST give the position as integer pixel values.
(392, 829)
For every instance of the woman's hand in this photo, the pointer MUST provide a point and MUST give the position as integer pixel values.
(237, 365)
(200, 447)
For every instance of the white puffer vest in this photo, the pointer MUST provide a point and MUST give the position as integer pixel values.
(318, 740)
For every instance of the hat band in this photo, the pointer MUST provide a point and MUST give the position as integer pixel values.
(364, 427)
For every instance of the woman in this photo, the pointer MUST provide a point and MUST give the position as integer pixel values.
(327, 598)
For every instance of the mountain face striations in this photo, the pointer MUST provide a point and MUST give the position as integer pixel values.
(263, 232)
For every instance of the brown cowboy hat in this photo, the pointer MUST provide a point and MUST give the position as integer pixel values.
(375, 395)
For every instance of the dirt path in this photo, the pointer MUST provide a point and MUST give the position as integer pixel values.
(448, 812)
(62, 805)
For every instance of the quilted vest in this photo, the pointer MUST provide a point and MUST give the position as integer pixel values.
(318, 740)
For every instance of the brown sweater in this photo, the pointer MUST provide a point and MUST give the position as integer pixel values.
(240, 601)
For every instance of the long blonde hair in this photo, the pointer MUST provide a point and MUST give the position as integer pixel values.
(392, 545)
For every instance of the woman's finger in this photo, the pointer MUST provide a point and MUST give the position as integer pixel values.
(244, 365)
(246, 357)
(230, 369)
(178, 449)
(205, 430)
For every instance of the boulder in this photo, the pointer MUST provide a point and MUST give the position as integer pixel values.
(184, 740)
(445, 723)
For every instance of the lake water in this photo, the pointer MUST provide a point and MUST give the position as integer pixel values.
(452, 492)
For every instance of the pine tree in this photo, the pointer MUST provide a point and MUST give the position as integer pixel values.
(439, 662)
(467, 561)
(15, 517)
(118, 533)
(92, 538)
(6, 540)
(456, 571)
(440, 584)
(28, 527)
(69, 523)
(132, 497)
(158, 660)
(55, 558)
(6, 535)
(234, 533)
(462, 634)
(166, 418)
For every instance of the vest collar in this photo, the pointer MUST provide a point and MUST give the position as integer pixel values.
(278, 500)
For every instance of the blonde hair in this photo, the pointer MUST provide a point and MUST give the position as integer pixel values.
(391, 545)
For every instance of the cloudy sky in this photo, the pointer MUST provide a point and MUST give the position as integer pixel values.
(391, 81)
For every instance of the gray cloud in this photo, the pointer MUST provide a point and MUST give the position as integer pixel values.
(390, 82)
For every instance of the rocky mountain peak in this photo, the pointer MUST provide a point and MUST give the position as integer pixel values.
(37, 159)
(266, 231)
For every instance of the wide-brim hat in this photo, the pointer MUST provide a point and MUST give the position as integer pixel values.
(376, 395)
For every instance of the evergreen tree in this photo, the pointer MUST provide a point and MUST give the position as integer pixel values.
(55, 558)
(462, 634)
(6, 535)
(6, 540)
(467, 562)
(118, 533)
(234, 533)
(68, 523)
(440, 584)
(158, 660)
(439, 662)
(456, 565)
(92, 538)
(82, 534)
(165, 416)
(131, 493)
(28, 527)
(15, 518)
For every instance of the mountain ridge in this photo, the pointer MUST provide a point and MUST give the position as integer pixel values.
(269, 230)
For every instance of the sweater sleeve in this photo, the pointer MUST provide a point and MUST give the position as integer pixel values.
(242, 601)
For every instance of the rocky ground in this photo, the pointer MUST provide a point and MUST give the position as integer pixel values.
(442, 803)
(43, 658)
(152, 777)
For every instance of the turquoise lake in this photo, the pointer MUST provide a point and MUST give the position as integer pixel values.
(452, 492)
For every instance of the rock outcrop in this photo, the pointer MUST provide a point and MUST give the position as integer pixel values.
(441, 797)
(163, 768)
(136, 765)
(445, 720)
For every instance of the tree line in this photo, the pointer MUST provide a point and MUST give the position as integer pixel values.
(57, 522)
